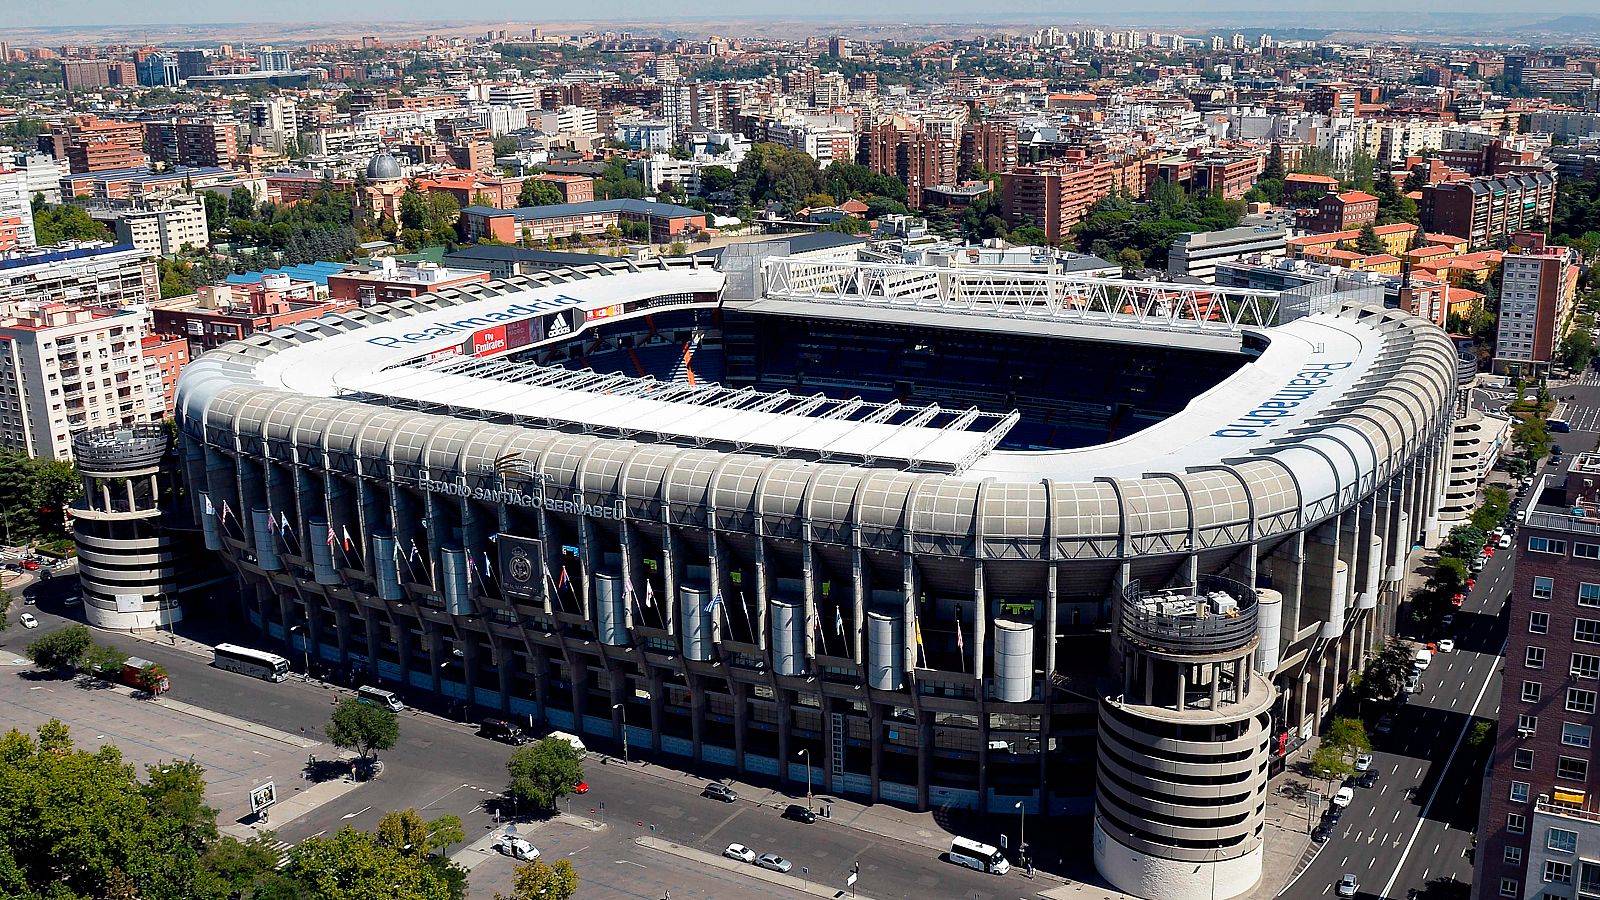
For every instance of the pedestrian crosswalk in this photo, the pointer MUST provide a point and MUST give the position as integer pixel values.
(281, 849)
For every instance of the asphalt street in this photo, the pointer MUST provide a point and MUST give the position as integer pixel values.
(1414, 827)
(441, 767)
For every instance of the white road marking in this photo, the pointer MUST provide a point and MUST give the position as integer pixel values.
(354, 814)
(629, 862)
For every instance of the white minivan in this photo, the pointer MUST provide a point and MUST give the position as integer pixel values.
(376, 696)
(1420, 662)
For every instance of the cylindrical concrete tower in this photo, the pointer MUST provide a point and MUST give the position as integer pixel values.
(128, 560)
(1180, 790)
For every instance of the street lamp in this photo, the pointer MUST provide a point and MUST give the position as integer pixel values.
(624, 708)
(806, 753)
(1022, 833)
(305, 646)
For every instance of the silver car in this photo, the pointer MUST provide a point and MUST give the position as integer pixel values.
(774, 862)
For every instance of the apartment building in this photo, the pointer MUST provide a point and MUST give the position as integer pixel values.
(992, 145)
(900, 147)
(164, 229)
(1538, 832)
(666, 221)
(1486, 211)
(1537, 291)
(91, 144)
(1196, 254)
(193, 142)
(16, 210)
(389, 281)
(164, 357)
(65, 367)
(91, 274)
(1343, 211)
(1055, 195)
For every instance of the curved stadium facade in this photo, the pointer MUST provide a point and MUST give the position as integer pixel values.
(963, 539)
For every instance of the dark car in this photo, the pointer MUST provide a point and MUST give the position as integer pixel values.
(502, 731)
(799, 813)
(718, 791)
(1368, 778)
(1322, 834)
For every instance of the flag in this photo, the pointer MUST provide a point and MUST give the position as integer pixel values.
(272, 523)
(961, 644)
(283, 520)
(715, 599)
(649, 594)
(345, 531)
(838, 620)
(922, 652)
(413, 549)
(472, 566)
(566, 581)
(226, 511)
(488, 567)
(333, 539)
(397, 554)
(210, 510)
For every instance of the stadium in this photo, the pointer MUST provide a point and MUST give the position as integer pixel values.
(934, 537)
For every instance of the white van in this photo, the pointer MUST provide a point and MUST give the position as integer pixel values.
(574, 740)
(1420, 662)
(376, 696)
(516, 847)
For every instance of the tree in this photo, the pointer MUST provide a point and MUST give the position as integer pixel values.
(1274, 170)
(55, 224)
(537, 880)
(413, 210)
(362, 727)
(153, 678)
(406, 831)
(544, 772)
(1577, 348)
(1349, 733)
(355, 865)
(1532, 437)
(102, 659)
(1464, 542)
(1368, 241)
(1331, 763)
(506, 145)
(773, 172)
(1131, 260)
(1386, 675)
(238, 866)
(714, 179)
(539, 193)
(61, 650)
(76, 825)
(241, 203)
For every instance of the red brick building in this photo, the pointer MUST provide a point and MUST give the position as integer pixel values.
(1344, 211)
(992, 145)
(898, 146)
(90, 144)
(165, 356)
(573, 188)
(391, 281)
(1056, 195)
(666, 221)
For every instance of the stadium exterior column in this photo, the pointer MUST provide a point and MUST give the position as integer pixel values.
(285, 603)
(1047, 688)
(658, 703)
(435, 655)
(590, 548)
(741, 718)
(504, 659)
(541, 679)
(761, 588)
(858, 587)
(578, 678)
(629, 554)
(374, 646)
(875, 722)
(669, 574)
(1301, 692)
(808, 572)
(341, 629)
(785, 703)
(716, 568)
(469, 669)
(979, 615)
(924, 756)
(403, 643)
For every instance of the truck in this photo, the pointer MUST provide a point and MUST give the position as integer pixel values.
(133, 676)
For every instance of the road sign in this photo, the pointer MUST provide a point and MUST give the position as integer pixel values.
(851, 881)
(263, 797)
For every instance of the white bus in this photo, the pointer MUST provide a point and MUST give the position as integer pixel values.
(245, 661)
(978, 856)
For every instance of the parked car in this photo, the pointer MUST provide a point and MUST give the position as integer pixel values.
(1504, 543)
(502, 731)
(1447, 645)
(1368, 778)
(718, 791)
(739, 852)
(1385, 725)
(30, 565)
(72, 600)
(774, 862)
(799, 813)
(1413, 683)
(28, 621)
(1363, 761)
(1448, 619)
(1322, 833)
(1347, 885)
(1343, 797)
(581, 787)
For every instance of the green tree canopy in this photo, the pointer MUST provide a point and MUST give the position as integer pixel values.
(356, 865)
(406, 831)
(1349, 733)
(538, 880)
(362, 727)
(543, 772)
(1368, 241)
(715, 178)
(539, 193)
(64, 649)
(773, 172)
(54, 224)
(1577, 348)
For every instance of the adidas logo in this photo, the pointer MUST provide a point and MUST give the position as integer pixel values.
(559, 327)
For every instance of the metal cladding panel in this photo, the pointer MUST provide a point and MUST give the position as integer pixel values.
(788, 638)
(1013, 661)
(610, 614)
(208, 522)
(833, 493)
(1155, 506)
(945, 506)
(1015, 511)
(373, 446)
(561, 460)
(266, 538)
(1086, 510)
(321, 547)
(602, 475)
(1334, 625)
(1272, 489)
(883, 499)
(454, 575)
(691, 479)
(1269, 628)
(885, 651)
(386, 563)
(444, 449)
(1218, 499)
(735, 489)
(696, 621)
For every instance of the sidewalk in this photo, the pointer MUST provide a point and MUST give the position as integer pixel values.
(291, 808)
(804, 885)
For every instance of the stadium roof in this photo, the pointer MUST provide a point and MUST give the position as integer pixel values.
(637, 207)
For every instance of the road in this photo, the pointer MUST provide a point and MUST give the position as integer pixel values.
(441, 767)
(1414, 827)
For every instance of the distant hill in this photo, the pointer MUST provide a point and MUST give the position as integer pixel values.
(1575, 24)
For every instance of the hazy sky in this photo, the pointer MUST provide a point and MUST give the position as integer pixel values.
(375, 12)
